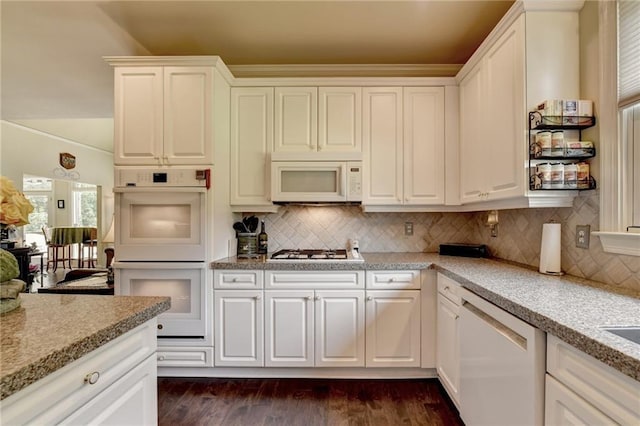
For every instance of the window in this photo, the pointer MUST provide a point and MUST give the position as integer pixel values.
(85, 204)
(619, 27)
(38, 191)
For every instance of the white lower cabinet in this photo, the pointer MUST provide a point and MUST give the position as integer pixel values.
(393, 328)
(566, 408)
(132, 400)
(114, 384)
(306, 328)
(582, 390)
(448, 337)
(239, 328)
(317, 319)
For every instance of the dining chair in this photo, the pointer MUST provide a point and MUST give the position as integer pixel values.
(90, 245)
(56, 253)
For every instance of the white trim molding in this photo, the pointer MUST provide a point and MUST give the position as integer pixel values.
(620, 242)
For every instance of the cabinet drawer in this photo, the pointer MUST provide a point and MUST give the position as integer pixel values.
(314, 279)
(388, 280)
(610, 391)
(64, 391)
(449, 289)
(232, 279)
(185, 357)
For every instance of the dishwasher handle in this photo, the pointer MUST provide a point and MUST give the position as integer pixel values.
(498, 326)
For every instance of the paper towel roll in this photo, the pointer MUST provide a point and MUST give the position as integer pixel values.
(550, 249)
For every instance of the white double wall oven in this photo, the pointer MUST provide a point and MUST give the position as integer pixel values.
(161, 245)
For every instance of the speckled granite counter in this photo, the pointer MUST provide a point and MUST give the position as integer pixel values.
(49, 331)
(570, 308)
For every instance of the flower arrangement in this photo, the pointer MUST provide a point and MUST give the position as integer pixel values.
(14, 207)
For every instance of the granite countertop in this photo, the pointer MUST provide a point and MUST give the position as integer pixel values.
(50, 331)
(569, 308)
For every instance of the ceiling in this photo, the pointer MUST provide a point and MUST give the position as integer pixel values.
(55, 80)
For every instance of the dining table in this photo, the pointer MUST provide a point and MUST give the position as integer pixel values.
(66, 235)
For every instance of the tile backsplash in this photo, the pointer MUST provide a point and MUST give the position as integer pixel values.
(518, 239)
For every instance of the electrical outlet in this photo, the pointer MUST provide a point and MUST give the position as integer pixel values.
(408, 228)
(583, 234)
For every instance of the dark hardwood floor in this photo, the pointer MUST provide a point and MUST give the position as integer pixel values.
(285, 402)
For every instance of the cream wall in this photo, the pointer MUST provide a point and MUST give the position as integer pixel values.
(24, 151)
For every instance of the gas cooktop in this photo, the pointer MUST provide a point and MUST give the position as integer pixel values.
(311, 255)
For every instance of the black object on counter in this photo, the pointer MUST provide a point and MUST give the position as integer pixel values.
(263, 240)
(464, 250)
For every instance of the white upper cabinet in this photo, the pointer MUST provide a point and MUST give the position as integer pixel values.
(404, 143)
(492, 150)
(382, 148)
(515, 69)
(424, 145)
(163, 115)
(340, 119)
(251, 142)
(317, 120)
(296, 119)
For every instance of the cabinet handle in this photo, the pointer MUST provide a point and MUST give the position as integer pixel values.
(161, 358)
(446, 288)
(92, 378)
(308, 298)
(369, 298)
(160, 326)
(317, 297)
(233, 280)
(391, 279)
(258, 297)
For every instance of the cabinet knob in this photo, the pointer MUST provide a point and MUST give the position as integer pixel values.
(233, 280)
(369, 298)
(317, 297)
(258, 297)
(161, 358)
(391, 279)
(308, 298)
(92, 378)
(446, 288)
(160, 326)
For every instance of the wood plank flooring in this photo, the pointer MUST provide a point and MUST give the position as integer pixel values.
(308, 402)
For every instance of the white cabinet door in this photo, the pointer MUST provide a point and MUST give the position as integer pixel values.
(492, 153)
(564, 407)
(296, 119)
(382, 147)
(339, 119)
(188, 115)
(339, 328)
(289, 331)
(251, 142)
(423, 145)
(448, 346)
(505, 98)
(473, 163)
(393, 328)
(138, 121)
(132, 400)
(239, 328)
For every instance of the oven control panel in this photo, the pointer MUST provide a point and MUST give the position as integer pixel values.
(175, 177)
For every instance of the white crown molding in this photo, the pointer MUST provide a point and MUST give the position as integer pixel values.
(345, 70)
(553, 5)
(157, 61)
(344, 81)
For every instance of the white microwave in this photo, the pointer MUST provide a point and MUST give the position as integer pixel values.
(316, 181)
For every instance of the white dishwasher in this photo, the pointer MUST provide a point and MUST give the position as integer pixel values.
(502, 366)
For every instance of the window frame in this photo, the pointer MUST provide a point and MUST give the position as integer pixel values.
(616, 184)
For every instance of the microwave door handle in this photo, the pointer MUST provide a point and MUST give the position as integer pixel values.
(343, 182)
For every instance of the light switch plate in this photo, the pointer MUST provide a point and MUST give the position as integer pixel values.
(583, 234)
(408, 228)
